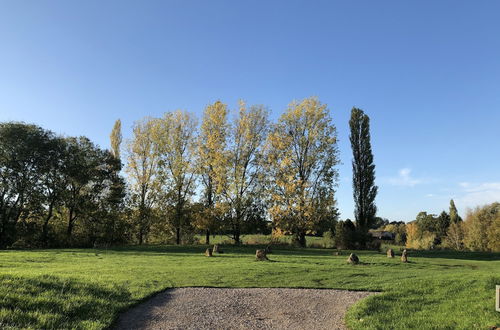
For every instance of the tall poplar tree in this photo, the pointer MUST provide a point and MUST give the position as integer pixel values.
(363, 171)
(116, 138)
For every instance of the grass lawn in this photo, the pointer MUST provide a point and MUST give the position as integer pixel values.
(86, 289)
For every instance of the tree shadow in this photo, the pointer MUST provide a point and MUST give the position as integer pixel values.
(462, 255)
(50, 302)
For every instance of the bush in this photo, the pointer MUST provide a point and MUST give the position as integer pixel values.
(418, 239)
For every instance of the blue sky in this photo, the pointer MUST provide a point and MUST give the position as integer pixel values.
(426, 72)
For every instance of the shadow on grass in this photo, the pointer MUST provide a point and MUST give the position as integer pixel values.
(463, 255)
(200, 249)
(49, 302)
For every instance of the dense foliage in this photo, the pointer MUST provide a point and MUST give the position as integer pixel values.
(57, 191)
(479, 232)
(363, 172)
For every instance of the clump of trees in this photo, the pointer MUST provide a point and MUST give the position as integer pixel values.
(479, 231)
(57, 191)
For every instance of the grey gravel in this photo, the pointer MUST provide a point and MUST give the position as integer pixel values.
(220, 308)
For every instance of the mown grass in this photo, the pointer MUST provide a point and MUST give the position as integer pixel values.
(86, 289)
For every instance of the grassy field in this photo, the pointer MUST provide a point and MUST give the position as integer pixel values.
(86, 289)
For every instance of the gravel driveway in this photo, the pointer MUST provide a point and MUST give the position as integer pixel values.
(214, 308)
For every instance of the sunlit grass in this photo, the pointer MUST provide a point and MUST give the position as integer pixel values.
(78, 288)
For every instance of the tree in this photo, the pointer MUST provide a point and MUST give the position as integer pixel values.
(417, 238)
(175, 138)
(455, 236)
(212, 162)
(454, 217)
(116, 138)
(344, 234)
(441, 225)
(481, 227)
(142, 168)
(301, 159)
(87, 179)
(242, 186)
(23, 161)
(363, 171)
(54, 181)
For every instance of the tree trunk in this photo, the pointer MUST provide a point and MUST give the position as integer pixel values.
(207, 237)
(236, 236)
(45, 230)
(178, 236)
(301, 239)
(140, 236)
(71, 220)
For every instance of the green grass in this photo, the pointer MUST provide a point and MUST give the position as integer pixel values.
(86, 289)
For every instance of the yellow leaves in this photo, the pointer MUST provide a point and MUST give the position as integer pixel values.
(301, 156)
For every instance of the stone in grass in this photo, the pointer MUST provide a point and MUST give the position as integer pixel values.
(404, 256)
(260, 255)
(208, 252)
(390, 253)
(353, 259)
(217, 249)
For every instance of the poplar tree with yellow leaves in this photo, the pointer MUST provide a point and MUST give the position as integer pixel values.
(116, 138)
(243, 172)
(302, 155)
(175, 138)
(142, 170)
(211, 163)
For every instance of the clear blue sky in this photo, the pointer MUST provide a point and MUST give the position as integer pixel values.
(426, 72)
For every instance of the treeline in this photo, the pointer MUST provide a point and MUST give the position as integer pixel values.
(478, 232)
(235, 173)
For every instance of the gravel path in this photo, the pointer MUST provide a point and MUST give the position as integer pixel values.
(214, 308)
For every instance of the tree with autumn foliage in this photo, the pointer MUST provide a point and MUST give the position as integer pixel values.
(301, 161)
(241, 190)
(142, 169)
(211, 158)
(175, 137)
